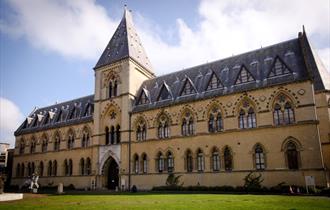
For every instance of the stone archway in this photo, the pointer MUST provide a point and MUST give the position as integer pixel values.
(111, 174)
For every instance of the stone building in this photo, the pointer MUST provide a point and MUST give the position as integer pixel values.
(266, 110)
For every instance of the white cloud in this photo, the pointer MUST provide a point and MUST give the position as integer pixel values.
(71, 28)
(82, 28)
(10, 119)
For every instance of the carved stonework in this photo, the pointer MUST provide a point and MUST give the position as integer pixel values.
(262, 98)
(301, 92)
(106, 152)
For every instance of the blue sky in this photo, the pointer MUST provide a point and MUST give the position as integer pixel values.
(48, 48)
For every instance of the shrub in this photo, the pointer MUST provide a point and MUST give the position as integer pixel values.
(173, 180)
(134, 189)
(253, 182)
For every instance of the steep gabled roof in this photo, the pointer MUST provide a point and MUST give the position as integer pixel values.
(258, 62)
(125, 43)
(35, 121)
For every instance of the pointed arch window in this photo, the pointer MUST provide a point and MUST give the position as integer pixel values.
(279, 68)
(187, 126)
(144, 164)
(214, 82)
(117, 139)
(21, 147)
(215, 121)
(228, 159)
(247, 116)
(244, 76)
(88, 166)
(22, 170)
(70, 140)
(259, 157)
(188, 88)
(57, 142)
(50, 168)
(54, 168)
(141, 131)
(18, 170)
(283, 112)
(41, 168)
(189, 161)
(292, 155)
(200, 160)
(161, 162)
(29, 169)
(107, 136)
(112, 135)
(33, 146)
(215, 160)
(170, 162)
(82, 166)
(85, 142)
(136, 164)
(44, 146)
(163, 127)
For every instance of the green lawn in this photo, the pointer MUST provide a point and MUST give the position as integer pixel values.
(169, 201)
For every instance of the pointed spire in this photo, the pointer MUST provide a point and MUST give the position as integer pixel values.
(125, 43)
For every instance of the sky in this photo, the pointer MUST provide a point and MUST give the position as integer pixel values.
(48, 48)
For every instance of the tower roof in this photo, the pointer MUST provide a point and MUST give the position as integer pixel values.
(125, 43)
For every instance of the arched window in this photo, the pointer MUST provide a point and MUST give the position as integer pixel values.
(57, 142)
(50, 168)
(160, 160)
(29, 169)
(215, 120)
(107, 136)
(88, 166)
(41, 168)
(215, 160)
(66, 167)
(283, 112)
(141, 131)
(136, 164)
(82, 166)
(117, 134)
(70, 140)
(54, 168)
(115, 87)
(144, 164)
(33, 146)
(21, 147)
(32, 168)
(170, 162)
(18, 170)
(112, 135)
(85, 139)
(228, 159)
(22, 170)
(44, 146)
(110, 89)
(70, 167)
(189, 161)
(247, 116)
(259, 157)
(163, 128)
(200, 160)
(292, 155)
(187, 126)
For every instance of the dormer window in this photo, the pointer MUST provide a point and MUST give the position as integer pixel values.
(244, 76)
(188, 88)
(214, 82)
(279, 68)
(88, 110)
(143, 98)
(164, 93)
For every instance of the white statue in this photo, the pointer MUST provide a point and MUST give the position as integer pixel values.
(34, 183)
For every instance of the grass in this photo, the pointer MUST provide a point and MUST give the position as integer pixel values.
(143, 201)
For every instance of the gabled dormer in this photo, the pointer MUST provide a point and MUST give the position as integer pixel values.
(214, 82)
(244, 76)
(164, 93)
(279, 68)
(188, 87)
(144, 97)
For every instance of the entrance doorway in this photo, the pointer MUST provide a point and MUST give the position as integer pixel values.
(112, 174)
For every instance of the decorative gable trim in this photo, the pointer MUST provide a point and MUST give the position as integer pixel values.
(164, 93)
(244, 76)
(279, 68)
(214, 82)
(188, 87)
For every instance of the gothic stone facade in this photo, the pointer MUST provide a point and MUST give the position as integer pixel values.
(266, 111)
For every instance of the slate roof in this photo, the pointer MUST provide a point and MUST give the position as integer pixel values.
(125, 43)
(296, 54)
(48, 117)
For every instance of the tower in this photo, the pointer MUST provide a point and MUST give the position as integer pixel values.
(119, 72)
